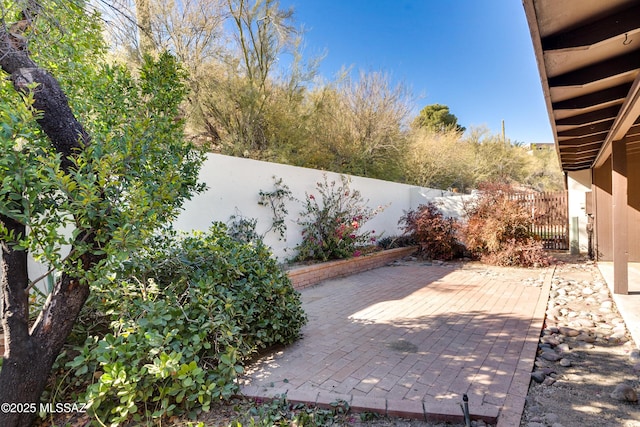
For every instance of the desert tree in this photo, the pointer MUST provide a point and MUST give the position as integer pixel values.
(355, 125)
(243, 91)
(494, 159)
(437, 118)
(438, 159)
(92, 161)
(379, 110)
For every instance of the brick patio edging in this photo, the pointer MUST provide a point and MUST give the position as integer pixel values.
(513, 407)
(309, 275)
(430, 410)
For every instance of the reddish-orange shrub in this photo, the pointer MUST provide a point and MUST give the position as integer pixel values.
(497, 229)
(435, 234)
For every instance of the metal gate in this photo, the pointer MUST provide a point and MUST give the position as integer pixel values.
(549, 212)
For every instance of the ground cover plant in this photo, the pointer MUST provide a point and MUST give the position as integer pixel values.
(280, 412)
(172, 331)
(332, 221)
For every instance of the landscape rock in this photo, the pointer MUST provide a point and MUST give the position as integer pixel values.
(624, 393)
(538, 376)
(551, 418)
(551, 356)
(551, 339)
(570, 332)
(585, 339)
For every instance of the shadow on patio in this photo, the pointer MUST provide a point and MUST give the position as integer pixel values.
(410, 340)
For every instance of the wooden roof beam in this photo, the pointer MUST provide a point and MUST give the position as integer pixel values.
(590, 129)
(599, 138)
(576, 157)
(608, 68)
(577, 166)
(628, 115)
(605, 96)
(602, 114)
(606, 28)
(574, 150)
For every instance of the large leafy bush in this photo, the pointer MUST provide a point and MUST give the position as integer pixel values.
(172, 331)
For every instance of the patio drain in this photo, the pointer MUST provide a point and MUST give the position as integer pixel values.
(403, 346)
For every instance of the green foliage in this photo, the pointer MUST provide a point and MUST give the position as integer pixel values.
(496, 160)
(439, 160)
(332, 227)
(276, 201)
(243, 104)
(373, 115)
(436, 117)
(133, 177)
(542, 170)
(436, 234)
(243, 229)
(447, 159)
(392, 242)
(497, 229)
(280, 412)
(171, 332)
(67, 41)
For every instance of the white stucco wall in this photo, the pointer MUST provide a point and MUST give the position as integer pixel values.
(578, 184)
(234, 185)
(233, 189)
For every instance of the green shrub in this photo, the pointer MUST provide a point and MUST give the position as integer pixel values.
(280, 412)
(498, 229)
(393, 242)
(434, 233)
(332, 227)
(172, 331)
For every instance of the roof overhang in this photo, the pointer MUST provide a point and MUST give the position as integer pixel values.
(588, 54)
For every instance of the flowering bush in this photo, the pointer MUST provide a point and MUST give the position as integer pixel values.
(332, 227)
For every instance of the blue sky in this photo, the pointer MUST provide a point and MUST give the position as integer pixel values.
(474, 56)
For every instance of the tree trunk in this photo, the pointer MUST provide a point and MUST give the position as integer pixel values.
(29, 354)
(15, 322)
(143, 14)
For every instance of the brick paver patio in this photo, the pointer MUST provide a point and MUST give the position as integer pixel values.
(409, 340)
